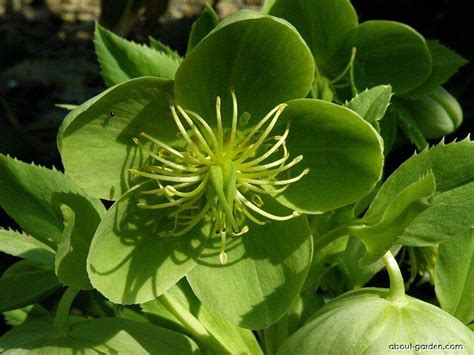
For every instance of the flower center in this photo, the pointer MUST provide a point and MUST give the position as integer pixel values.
(222, 174)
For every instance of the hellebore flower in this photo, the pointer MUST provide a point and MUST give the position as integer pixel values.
(214, 172)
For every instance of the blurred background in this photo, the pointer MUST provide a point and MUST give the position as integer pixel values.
(47, 57)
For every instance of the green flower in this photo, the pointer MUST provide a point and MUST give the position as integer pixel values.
(215, 185)
(220, 173)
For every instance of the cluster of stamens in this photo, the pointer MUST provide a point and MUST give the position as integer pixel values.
(221, 173)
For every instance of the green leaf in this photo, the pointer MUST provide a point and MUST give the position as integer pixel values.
(450, 214)
(409, 126)
(266, 270)
(338, 176)
(103, 335)
(358, 275)
(225, 336)
(267, 5)
(364, 322)
(262, 58)
(121, 60)
(26, 247)
(70, 264)
(19, 316)
(380, 232)
(390, 53)
(204, 24)
(446, 62)
(161, 47)
(31, 195)
(95, 140)
(372, 104)
(389, 130)
(451, 164)
(129, 262)
(323, 24)
(25, 283)
(454, 277)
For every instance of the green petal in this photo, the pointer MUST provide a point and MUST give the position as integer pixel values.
(265, 272)
(390, 53)
(342, 151)
(263, 58)
(95, 140)
(129, 262)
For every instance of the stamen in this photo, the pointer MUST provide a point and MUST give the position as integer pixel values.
(264, 135)
(186, 137)
(266, 214)
(273, 172)
(191, 193)
(262, 191)
(206, 127)
(162, 145)
(258, 126)
(276, 182)
(281, 140)
(220, 132)
(234, 120)
(223, 255)
(196, 131)
(195, 178)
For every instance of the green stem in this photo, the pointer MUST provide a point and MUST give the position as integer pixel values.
(347, 68)
(61, 317)
(195, 328)
(275, 335)
(397, 285)
(328, 238)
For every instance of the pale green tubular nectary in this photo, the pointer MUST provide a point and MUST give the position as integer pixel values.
(221, 173)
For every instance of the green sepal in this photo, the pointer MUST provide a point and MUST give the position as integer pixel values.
(99, 162)
(121, 60)
(324, 25)
(143, 264)
(364, 321)
(388, 52)
(278, 252)
(322, 132)
(253, 55)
